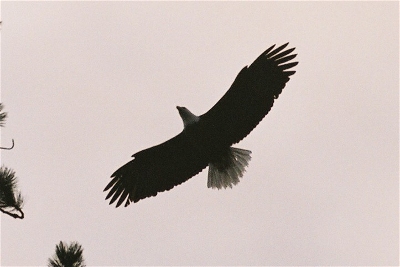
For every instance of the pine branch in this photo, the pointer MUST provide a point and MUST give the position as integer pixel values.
(10, 199)
(3, 115)
(9, 148)
(15, 216)
(67, 255)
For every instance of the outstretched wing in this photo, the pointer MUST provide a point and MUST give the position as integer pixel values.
(154, 170)
(250, 97)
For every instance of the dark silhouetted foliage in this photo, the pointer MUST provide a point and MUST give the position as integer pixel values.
(67, 256)
(11, 200)
(3, 115)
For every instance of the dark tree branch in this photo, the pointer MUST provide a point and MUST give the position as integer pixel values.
(9, 148)
(15, 216)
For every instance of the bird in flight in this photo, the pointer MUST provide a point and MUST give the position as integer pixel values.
(207, 140)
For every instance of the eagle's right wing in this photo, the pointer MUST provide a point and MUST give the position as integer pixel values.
(250, 97)
(156, 169)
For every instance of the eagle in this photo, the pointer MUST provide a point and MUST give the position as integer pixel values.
(207, 140)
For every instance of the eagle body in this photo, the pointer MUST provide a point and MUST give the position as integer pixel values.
(207, 140)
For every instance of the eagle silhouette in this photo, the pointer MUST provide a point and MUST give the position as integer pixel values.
(207, 140)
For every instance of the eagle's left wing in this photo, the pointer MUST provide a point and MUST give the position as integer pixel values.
(156, 169)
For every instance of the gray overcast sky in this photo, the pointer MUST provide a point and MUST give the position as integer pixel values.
(87, 84)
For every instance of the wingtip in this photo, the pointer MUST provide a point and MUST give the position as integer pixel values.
(286, 44)
(110, 184)
(121, 199)
(269, 49)
(276, 50)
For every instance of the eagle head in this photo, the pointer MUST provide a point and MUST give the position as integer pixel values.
(187, 116)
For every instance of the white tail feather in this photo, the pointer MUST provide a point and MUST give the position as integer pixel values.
(227, 172)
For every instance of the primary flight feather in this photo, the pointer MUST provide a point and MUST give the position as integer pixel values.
(206, 140)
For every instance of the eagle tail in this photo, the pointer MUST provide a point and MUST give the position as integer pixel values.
(228, 169)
